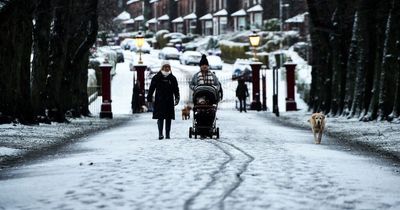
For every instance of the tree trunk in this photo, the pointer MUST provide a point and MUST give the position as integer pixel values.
(387, 82)
(16, 41)
(382, 22)
(364, 60)
(58, 45)
(351, 68)
(320, 60)
(40, 62)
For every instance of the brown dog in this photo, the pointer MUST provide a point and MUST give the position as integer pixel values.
(186, 112)
(317, 122)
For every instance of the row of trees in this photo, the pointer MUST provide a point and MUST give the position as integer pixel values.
(355, 58)
(59, 34)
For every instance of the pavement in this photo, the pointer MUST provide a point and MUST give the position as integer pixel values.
(20, 142)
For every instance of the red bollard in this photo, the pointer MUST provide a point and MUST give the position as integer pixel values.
(106, 92)
(140, 78)
(256, 104)
(290, 81)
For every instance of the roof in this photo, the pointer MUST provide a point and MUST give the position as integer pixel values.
(152, 20)
(190, 16)
(130, 21)
(164, 17)
(178, 20)
(222, 12)
(257, 8)
(131, 1)
(123, 16)
(206, 17)
(139, 18)
(239, 13)
(297, 19)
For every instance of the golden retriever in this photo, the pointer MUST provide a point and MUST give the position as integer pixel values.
(317, 122)
(186, 112)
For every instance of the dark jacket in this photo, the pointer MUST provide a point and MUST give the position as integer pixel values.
(166, 88)
(241, 91)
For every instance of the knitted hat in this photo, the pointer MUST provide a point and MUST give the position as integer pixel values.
(164, 62)
(203, 60)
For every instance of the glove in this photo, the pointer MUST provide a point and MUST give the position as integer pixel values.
(149, 99)
(176, 101)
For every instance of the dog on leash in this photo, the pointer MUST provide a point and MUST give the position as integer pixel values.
(317, 122)
(186, 112)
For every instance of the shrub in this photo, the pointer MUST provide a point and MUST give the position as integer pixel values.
(230, 51)
(272, 24)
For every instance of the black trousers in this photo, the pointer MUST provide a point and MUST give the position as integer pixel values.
(160, 123)
(242, 104)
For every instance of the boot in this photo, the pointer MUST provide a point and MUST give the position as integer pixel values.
(160, 123)
(167, 128)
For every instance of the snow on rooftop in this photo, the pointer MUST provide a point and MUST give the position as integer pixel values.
(164, 17)
(297, 19)
(130, 21)
(152, 1)
(139, 18)
(190, 16)
(131, 1)
(152, 20)
(257, 8)
(178, 20)
(239, 13)
(123, 16)
(207, 17)
(222, 12)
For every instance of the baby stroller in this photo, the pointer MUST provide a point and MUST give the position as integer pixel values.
(205, 100)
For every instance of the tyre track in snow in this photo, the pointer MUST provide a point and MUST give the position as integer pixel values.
(223, 181)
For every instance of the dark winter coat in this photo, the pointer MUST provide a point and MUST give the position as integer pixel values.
(241, 91)
(166, 88)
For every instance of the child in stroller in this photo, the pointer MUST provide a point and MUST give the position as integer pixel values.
(205, 100)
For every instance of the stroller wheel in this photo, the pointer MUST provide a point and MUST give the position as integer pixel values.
(217, 133)
(190, 132)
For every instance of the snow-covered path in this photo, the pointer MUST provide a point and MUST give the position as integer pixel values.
(255, 165)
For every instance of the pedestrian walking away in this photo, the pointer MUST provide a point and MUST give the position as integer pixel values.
(242, 93)
(166, 98)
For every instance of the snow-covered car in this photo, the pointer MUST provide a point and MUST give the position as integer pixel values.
(215, 62)
(242, 70)
(175, 35)
(127, 43)
(105, 55)
(169, 53)
(145, 48)
(190, 57)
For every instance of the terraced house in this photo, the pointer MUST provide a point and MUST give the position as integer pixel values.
(209, 17)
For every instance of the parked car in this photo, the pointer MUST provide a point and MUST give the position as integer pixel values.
(169, 53)
(145, 48)
(215, 62)
(127, 43)
(190, 57)
(242, 70)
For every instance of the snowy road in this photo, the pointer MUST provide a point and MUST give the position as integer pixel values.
(255, 165)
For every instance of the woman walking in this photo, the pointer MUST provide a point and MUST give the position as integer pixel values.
(167, 96)
(242, 93)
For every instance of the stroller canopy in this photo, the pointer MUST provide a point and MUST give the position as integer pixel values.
(209, 93)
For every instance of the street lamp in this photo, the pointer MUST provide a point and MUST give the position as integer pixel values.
(254, 42)
(139, 41)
